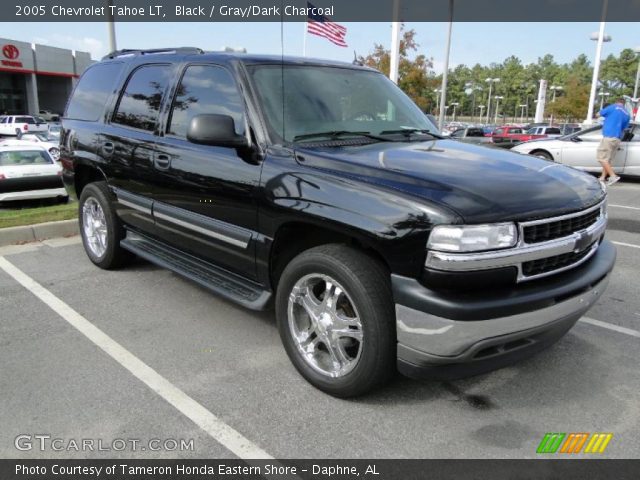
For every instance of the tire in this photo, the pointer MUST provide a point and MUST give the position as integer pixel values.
(55, 153)
(359, 288)
(102, 244)
(544, 155)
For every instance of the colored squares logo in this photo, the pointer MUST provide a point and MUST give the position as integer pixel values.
(573, 443)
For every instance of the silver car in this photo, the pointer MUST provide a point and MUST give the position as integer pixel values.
(579, 150)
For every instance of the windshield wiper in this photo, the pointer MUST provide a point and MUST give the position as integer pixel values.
(407, 132)
(337, 134)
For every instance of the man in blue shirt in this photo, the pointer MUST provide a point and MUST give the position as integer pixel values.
(616, 120)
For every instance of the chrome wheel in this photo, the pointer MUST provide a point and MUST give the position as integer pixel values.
(94, 227)
(55, 153)
(325, 325)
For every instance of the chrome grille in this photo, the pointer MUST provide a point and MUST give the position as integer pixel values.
(550, 264)
(543, 232)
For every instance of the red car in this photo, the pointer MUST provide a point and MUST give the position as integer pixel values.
(508, 134)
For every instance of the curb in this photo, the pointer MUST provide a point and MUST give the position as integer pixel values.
(39, 231)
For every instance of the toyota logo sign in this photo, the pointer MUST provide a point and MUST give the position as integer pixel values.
(10, 51)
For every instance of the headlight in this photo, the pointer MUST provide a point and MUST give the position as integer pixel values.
(472, 238)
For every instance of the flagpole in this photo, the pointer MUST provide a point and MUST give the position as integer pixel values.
(304, 40)
(395, 43)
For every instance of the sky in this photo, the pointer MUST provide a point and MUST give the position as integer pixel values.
(472, 43)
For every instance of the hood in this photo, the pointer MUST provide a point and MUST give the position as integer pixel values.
(480, 184)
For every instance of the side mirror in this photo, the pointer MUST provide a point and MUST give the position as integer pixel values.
(214, 129)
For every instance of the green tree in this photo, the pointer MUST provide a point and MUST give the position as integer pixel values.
(413, 73)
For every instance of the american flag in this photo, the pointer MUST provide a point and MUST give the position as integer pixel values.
(323, 27)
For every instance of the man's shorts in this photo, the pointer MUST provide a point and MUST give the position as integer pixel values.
(607, 149)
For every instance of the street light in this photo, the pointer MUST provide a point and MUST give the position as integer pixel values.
(490, 81)
(600, 38)
(481, 108)
(522, 107)
(454, 104)
(602, 95)
(555, 88)
(635, 88)
(498, 98)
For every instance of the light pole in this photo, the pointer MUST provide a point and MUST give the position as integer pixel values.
(481, 108)
(454, 105)
(635, 88)
(600, 37)
(522, 107)
(555, 88)
(436, 91)
(498, 98)
(602, 95)
(490, 81)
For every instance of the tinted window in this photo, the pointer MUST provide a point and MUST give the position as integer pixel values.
(553, 131)
(475, 132)
(24, 158)
(92, 92)
(140, 103)
(205, 89)
(28, 120)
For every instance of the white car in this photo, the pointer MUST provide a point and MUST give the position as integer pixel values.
(28, 172)
(49, 116)
(579, 150)
(49, 142)
(18, 125)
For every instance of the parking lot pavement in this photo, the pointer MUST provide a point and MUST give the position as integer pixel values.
(230, 361)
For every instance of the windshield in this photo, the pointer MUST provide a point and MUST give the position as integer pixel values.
(329, 99)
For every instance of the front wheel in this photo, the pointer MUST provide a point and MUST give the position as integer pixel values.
(336, 319)
(100, 227)
(544, 155)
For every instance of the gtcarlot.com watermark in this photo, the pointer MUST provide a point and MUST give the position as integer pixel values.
(46, 443)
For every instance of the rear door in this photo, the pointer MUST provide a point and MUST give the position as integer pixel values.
(205, 196)
(127, 143)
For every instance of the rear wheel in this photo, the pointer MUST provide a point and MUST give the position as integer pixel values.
(336, 319)
(100, 227)
(55, 153)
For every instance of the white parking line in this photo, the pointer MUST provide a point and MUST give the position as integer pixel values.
(624, 206)
(611, 326)
(625, 244)
(216, 428)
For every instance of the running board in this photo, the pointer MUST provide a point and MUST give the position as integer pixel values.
(225, 284)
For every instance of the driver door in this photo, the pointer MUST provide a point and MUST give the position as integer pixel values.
(581, 152)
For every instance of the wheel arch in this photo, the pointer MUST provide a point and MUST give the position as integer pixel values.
(295, 237)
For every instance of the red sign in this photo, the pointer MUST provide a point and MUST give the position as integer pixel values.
(11, 52)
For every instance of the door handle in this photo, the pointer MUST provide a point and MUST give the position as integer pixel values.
(108, 148)
(161, 160)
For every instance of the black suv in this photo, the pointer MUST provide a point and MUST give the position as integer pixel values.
(320, 188)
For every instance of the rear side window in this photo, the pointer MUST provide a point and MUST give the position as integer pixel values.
(205, 89)
(92, 92)
(140, 102)
(553, 131)
(28, 120)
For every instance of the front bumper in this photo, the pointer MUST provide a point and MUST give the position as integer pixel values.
(454, 335)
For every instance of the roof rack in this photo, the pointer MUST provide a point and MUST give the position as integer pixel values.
(135, 52)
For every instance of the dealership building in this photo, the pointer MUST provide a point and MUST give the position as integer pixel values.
(37, 77)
